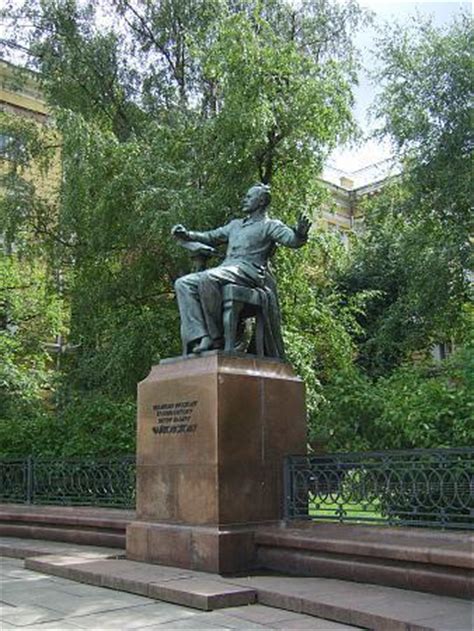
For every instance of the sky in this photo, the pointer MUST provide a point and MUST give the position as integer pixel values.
(351, 159)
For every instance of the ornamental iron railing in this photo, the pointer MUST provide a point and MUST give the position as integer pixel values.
(416, 487)
(75, 481)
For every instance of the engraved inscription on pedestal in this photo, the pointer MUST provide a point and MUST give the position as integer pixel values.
(174, 418)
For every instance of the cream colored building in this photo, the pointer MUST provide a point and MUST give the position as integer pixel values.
(348, 189)
(20, 93)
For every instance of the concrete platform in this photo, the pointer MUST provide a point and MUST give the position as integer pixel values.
(35, 601)
(344, 602)
(183, 587)
(368, 606)
(421, 545)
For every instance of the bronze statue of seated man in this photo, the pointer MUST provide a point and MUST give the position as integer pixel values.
(251, 241)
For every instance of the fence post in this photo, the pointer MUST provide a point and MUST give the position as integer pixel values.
(29, 480)
(286, 488)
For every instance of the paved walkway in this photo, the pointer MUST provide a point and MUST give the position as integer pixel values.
(70, 586)
(31, 600)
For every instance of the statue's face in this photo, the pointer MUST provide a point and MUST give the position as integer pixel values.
(253, 199)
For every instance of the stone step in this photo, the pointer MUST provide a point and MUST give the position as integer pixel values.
(400, 544)
(71, 535)
(20, 548)
(182, 587)
(431, 561)
(362, 605)
(435, 580)
(81, 525)
(112, 518)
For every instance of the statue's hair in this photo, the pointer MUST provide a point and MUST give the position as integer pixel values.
(265, 188)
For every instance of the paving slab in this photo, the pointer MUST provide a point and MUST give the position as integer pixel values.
(183, 587)
(356, 604)
(136, 613)
(317, 624)
(27, 615)
(446, 622)
(364, 605)
(202, 593)
(278, 619)
(133, 618)
(61, 625)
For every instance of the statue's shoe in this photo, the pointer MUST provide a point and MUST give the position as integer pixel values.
(208, 344)
(204, 345)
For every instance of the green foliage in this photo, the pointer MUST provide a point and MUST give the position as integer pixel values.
(170, 122)
(416, 406)
(31, 314)
(87, 424)
(426, 108)
(317, 322)
(415, 248)
(416, 280)
(166, 116)
(411, 259)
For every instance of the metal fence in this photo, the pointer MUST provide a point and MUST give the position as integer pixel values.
(75, 481)
(415, 487)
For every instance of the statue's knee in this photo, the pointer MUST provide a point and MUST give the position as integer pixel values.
(184, 283)
(179, 284)
(207, 278)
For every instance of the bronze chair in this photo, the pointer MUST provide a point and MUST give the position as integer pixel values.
(242, 302)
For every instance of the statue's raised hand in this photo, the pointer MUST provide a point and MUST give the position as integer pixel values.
(303, 225)
(180, 232)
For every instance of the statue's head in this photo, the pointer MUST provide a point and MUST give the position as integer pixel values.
(256, 198)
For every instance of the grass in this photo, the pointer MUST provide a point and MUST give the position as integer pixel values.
(319, 508)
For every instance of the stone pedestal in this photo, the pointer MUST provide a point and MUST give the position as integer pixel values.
(212, 434)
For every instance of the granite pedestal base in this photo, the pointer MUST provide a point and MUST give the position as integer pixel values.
(212, 434)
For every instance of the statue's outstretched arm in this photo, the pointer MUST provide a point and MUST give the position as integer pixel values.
(291, 237)
(211, 237)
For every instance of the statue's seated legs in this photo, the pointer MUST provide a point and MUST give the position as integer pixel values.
(199, 298)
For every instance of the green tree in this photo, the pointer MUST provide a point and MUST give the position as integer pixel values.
(414, 252)
(416, 406)
(425, 107)
(411, 259)
(169, 121)
(32, 313)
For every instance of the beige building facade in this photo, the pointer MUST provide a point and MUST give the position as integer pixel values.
(344, 214)
(20, 93)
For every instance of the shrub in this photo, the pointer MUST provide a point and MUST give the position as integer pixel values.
(89, 424)
(417, 406)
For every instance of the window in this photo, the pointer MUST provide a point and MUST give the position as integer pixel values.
(441, 351)
(11, 147)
